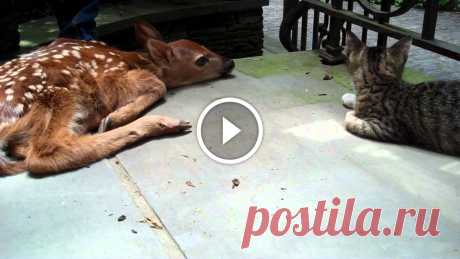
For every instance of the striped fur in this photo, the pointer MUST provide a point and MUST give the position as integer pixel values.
(388, 109)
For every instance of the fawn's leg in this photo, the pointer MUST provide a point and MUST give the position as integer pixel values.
(127, 113)
(150, 90)
(70, 151)
(370, 128)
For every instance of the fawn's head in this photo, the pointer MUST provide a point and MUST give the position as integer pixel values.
(181, 62)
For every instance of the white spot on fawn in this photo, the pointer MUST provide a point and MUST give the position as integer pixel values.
(76, 54)
(66, 72)
(32, 87)
(19, 108)
(99, 56)
(38, 73)
(57, 56)
(94, 64)
(20, 69)
(22, 78)
(9, 98)
(29, 95)
(9, 91)
(112, 69)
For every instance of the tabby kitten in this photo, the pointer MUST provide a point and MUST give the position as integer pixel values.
(386, 109)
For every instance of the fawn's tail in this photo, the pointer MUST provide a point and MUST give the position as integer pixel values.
(11, 168)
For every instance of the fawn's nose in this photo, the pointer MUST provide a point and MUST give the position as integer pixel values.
(229, 65)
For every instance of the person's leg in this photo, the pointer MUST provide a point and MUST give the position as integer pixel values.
(76, 19)
(85, 20)
(64, 12)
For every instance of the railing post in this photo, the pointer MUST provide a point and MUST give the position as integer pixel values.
(332, 55)
(382, 38)
(429, 19)
(288, 5)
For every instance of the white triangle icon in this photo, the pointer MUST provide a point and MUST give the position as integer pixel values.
(229, 130)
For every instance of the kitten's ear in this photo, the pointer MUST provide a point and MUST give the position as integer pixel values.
(352, 43)
(401, 48)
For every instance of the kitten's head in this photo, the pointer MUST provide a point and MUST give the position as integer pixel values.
(381, 63)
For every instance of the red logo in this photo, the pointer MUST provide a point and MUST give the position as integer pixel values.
(301, 225)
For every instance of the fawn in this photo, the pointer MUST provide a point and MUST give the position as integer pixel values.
(52, 98)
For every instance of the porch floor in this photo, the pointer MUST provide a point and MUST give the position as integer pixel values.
(306, 156)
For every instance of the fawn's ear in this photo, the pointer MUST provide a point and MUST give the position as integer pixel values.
(145, 31)
(159, 51)
(352, 43)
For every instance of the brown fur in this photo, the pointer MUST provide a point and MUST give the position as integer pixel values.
(51, 98)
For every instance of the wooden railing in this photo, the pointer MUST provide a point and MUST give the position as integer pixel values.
(328, 36)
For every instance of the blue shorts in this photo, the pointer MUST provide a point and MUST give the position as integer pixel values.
(83, 24)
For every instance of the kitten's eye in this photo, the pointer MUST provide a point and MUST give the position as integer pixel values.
(201, 61)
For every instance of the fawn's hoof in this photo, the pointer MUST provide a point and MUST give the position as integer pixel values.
(185, 125)
(105, 124)
(176, 126)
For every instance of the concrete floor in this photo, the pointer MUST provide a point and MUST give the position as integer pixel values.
(306, 156)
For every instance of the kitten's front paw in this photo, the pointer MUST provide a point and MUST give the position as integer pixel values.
(348, 100)
(350, 117)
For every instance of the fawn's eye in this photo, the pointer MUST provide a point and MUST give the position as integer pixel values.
(201, 61)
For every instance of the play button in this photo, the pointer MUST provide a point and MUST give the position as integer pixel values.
(229, 130)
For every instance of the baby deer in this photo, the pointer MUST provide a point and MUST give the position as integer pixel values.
(52, 98)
